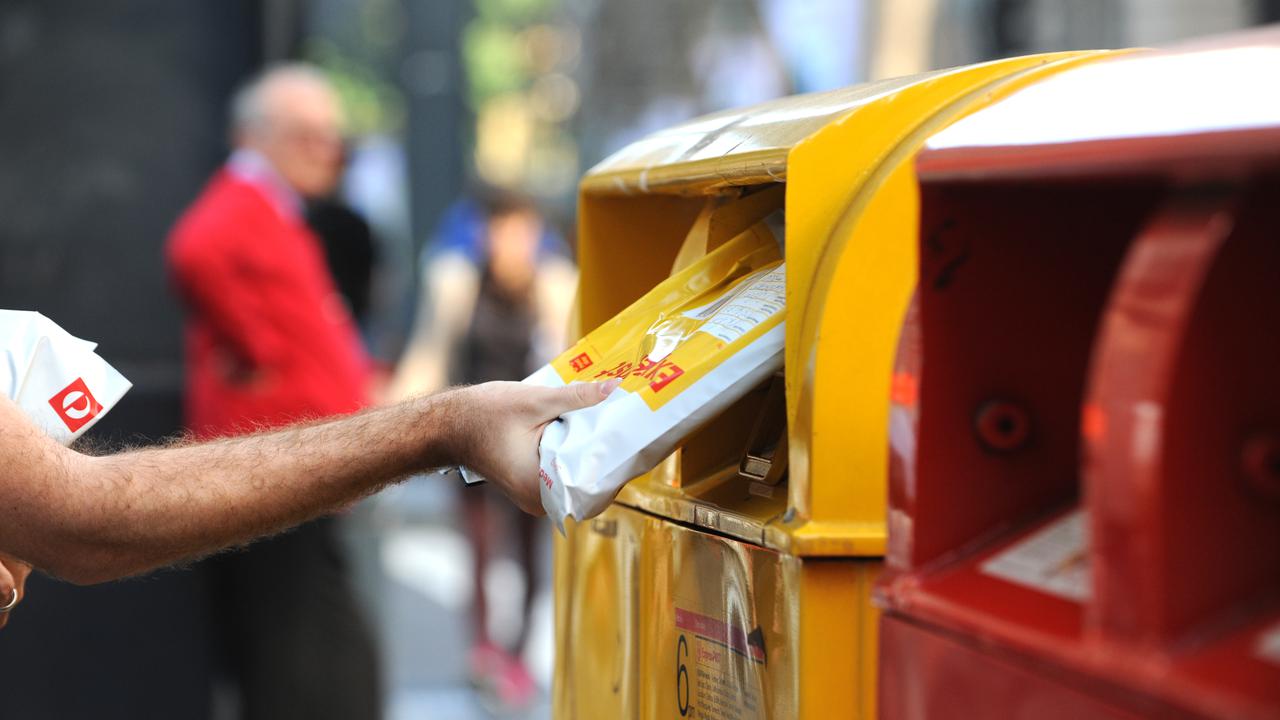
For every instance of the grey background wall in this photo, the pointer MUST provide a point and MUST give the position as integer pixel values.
(111, 118)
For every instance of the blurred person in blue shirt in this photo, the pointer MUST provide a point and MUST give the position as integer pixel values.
(497, 288)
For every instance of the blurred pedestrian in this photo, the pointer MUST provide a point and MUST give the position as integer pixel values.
(499, 288)
(351, 252)
(349, 247)
(269, 341)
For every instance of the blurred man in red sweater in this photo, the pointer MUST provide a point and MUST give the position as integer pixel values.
(269, 341)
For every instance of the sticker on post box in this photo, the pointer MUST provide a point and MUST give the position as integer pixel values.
(1053, 560)
(718, 668)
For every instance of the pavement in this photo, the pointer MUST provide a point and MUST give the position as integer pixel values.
(412, 563)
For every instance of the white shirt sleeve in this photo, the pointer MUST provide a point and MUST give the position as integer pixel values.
(57, 379)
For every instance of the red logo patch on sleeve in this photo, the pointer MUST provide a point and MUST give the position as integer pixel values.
(75, 405)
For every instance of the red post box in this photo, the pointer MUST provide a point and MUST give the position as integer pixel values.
(1085, 493)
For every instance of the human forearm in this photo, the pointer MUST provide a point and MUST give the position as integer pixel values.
(131, 512)
(93, 519)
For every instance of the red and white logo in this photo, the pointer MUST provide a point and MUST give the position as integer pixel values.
(75, 405)
(580, 362)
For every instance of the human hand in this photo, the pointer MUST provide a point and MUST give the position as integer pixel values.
(499, 426)
(13, 576)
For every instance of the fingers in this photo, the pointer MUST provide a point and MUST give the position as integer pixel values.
(7, 585)
(512, 417)
(18, 569)
(531, 505)
(579, 396)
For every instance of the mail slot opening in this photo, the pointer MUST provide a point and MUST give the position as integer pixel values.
(733, 465)
(1013, 280)
(745, 446)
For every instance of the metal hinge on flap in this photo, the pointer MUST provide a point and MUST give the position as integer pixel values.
(764, 462)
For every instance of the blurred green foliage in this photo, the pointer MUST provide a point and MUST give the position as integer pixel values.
(373, 105)
(495, 60)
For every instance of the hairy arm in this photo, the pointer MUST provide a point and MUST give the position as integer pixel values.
(91, 519)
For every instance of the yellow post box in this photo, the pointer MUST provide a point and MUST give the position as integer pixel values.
(734, 580)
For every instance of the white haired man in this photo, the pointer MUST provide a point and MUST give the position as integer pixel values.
(93, 519)
(270, 341)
